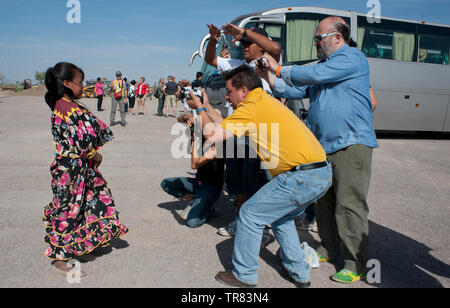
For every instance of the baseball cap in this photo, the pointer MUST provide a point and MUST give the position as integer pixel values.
(256, 30)
(118, 73)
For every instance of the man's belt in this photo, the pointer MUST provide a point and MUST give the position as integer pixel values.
(310, 166)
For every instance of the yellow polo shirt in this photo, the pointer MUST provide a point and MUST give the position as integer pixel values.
(280, 138)
(119, 86)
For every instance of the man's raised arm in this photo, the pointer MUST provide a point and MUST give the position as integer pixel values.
(211, 57)
(269, 46)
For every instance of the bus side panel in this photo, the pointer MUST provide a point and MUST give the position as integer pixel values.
(412, 96)
(447, 120)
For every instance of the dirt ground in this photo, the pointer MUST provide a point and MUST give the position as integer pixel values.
(35, 91)
(408, 199)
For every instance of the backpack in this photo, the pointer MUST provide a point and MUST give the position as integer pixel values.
(157, 93)
(128, 89)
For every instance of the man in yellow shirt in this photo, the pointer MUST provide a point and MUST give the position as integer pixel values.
(293, 156)
(118, 97)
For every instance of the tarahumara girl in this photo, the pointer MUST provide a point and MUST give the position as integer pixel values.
(82, 215)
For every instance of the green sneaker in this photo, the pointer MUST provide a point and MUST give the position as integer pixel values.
(323, 259)
(346, 276)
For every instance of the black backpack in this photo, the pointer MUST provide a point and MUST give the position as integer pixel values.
(157, 93)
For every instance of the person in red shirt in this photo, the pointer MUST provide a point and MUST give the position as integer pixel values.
(141, 91)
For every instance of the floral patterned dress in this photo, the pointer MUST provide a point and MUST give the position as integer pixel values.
(82, 215)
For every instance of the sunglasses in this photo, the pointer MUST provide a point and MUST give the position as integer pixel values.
(318, 38)
(246, 42)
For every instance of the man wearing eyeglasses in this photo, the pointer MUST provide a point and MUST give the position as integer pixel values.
(340, 116)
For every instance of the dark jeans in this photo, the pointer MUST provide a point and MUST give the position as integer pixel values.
(99, 102)
(310, 213)
(131, 101)
(161, 105)
(244, 175)
(204, 197)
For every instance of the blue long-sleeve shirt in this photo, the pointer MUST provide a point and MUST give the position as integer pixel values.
(340, 111)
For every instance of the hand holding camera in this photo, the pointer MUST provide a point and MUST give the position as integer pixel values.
(193, 99)
(263, 63)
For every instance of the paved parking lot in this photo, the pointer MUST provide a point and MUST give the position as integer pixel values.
(409, 201)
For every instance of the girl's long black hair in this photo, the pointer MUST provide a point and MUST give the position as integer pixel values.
(54, 82)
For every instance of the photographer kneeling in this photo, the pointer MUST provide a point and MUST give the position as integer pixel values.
(202, 191)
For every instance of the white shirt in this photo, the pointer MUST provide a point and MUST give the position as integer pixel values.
(132, 90)
(224, 65)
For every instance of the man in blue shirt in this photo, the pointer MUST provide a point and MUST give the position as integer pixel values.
(340, 116)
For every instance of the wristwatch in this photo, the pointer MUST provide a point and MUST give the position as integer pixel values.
(278, 73)
(200, 110)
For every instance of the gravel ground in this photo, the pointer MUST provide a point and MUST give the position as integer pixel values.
(409, 201)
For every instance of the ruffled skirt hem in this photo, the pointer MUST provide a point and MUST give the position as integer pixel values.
(63, 247)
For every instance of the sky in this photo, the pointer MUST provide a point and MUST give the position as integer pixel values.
(143, 38)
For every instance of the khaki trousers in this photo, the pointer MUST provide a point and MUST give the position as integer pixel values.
(342, 214)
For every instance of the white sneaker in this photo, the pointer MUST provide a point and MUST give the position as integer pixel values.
(184, 212)
(230, 230)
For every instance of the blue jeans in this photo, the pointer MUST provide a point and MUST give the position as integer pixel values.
(277, 204)
(204, 197)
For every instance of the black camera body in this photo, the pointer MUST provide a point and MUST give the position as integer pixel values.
(262, 62)
(185, 93)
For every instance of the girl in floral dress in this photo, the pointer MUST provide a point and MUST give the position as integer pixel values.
(82, 215)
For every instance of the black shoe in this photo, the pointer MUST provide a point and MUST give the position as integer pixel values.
(227, 278)
(123, 124)
(302, 285)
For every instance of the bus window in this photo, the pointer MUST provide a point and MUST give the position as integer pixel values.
(274, 31)
(300, 30)
(434, 47)
(299, 40)
(387, 40)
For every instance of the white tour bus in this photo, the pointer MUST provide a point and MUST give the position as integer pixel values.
(408, 60)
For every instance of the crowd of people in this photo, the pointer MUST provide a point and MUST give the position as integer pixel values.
(323, 166)
(320, 167)
(125, 95)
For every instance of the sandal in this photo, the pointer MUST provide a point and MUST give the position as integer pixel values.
(323, 259)
(346, 276)
(64, 273)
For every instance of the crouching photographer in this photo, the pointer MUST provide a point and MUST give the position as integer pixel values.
(202, 191)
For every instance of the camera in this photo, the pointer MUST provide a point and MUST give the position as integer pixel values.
(185, 93)
(263, 62)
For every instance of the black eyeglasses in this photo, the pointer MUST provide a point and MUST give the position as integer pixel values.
(318, 38)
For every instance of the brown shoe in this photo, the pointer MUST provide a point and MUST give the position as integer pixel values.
(227, 278)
